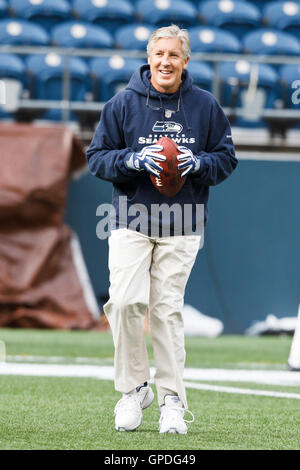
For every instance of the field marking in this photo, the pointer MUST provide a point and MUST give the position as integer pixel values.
(243, 391)
(270, 377)
(106, 372)
(284, 378)
(59, 359)
(58, 370)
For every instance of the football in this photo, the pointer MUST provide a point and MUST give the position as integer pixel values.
(169, 182)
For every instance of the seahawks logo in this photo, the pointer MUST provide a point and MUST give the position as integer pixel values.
(170, 126)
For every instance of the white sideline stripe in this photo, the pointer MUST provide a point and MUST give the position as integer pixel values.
(56, 359)
(243, 391)
(58, 370)
(107, 373)
(269, 377)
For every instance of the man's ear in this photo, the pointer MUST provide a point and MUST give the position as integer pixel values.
(186, 63)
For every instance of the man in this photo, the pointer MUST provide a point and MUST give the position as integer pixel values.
(149, 272)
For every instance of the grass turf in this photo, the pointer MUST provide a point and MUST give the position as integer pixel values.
(224, 351)
(76, 413)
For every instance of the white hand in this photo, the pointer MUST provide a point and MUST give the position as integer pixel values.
(146, 159)
(189, 161)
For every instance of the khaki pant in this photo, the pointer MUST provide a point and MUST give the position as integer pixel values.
(149, 274)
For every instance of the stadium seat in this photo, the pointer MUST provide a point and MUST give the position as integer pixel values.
(112, 74)
(260, 4)
(22, 32)
(212, 39)
(81, 35)
(253, 87)
(112, 14)
(164, 12)
(13, 78)
(46, 79)
(238, 17)
(290, 80)
(271, 41)
(12, 66)
(202, 74)
(47, 13)
(284, 16)
(47, 72)
(134, 36)
(3, 8)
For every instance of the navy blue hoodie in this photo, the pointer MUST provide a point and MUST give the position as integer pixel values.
(127, 125)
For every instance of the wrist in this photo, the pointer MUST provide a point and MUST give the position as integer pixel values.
(197, 164)
(132, 163)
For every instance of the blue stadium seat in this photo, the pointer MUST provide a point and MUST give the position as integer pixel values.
(22, 32)
(253, 87)
(284, 16)
(271, 41)
(110, 14)
(46, 79)
(134, 36)
(3, 8)
(238, 17)
(290, 80)
(164, 12)
(112, 74)
(212, 39)
(47, 74)
(12, 66)
(47, 13)
(81, 35)
(260, 4)
(12, 73)
(202, 74)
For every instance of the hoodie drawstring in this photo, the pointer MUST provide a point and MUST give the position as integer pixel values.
(163, 109)
(184, 115)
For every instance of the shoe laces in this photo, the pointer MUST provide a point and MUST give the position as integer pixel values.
(174, 413)
(192, 415)
(129, 400)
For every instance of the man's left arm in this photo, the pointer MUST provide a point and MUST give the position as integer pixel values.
(218, 161)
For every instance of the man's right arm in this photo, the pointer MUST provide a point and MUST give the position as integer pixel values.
(107, 154)
(110, 159)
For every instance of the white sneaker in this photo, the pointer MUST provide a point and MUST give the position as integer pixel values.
(128, 410)
(172, 416)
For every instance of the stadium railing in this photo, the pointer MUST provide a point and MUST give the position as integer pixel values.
(282, 115)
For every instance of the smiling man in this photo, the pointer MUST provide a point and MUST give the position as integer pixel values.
(149, 273)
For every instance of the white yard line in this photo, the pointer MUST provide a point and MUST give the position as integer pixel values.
(271, 377)
(58, 370)
(100, 371)
(283, 378)
(243, 391)
(24, 359)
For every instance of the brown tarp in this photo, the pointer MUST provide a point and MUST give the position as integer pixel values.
(39, 285)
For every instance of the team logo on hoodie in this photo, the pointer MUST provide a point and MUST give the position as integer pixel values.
(170, 126)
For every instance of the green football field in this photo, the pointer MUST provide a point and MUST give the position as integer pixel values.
(42, 411)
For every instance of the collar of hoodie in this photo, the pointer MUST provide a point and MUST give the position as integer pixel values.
(166, 98)
(140, 83)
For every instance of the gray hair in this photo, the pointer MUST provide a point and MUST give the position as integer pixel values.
(172, 31)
